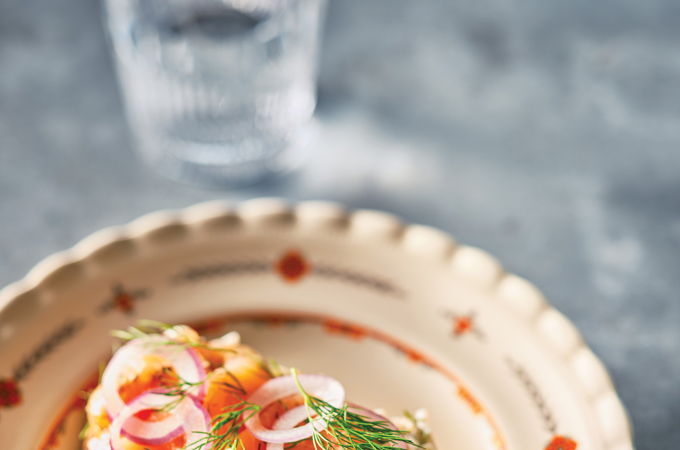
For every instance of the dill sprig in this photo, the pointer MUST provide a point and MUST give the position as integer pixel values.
(235, 386)
(346, 429)
(177, 393)
(146, 328)
(274, 369)
(224, 433)
(143, 329)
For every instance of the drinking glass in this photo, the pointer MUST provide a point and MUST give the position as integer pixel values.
(218, 92)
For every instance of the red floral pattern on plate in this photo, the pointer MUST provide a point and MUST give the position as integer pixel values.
(562, 443)
(9, 393)
(292, 266)
(462, 325)
(124, 302)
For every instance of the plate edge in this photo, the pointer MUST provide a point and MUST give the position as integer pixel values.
(474, 264)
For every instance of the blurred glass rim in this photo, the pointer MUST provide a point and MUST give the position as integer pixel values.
(273, 8)
(263, 32)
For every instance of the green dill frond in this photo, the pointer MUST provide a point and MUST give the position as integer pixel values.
(151, 325)
(235, 386)
(274, 369)
(146, 328)
(348, 430)
(224, 433)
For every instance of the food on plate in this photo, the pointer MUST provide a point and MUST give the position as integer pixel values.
(168, 388)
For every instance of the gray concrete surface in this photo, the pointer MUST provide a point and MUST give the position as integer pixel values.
(545, 132)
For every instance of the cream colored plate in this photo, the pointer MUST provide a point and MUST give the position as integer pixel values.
(402, 315)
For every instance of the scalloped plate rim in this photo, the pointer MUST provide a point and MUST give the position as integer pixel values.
(261, 208)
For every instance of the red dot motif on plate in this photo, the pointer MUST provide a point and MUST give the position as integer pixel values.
(462, 325)
(292, 266)
(562, 443)
(124, 302)
(9, 393)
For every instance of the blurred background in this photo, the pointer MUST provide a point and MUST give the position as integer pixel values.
(547, 133)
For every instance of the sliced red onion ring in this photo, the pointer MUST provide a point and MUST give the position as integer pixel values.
(196, 423)
(321, 386)
(188, 418)
(127, 425)
(289, 420)
(185, 361)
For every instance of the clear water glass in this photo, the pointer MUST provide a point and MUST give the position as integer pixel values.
(218, 92)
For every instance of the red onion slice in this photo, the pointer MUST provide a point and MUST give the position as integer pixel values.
(188, 418)
(185, 361)
(127, 425)
(197, 423)
(320, 386)
(289, 420)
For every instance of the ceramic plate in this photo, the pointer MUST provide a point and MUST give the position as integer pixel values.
(402, 315)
